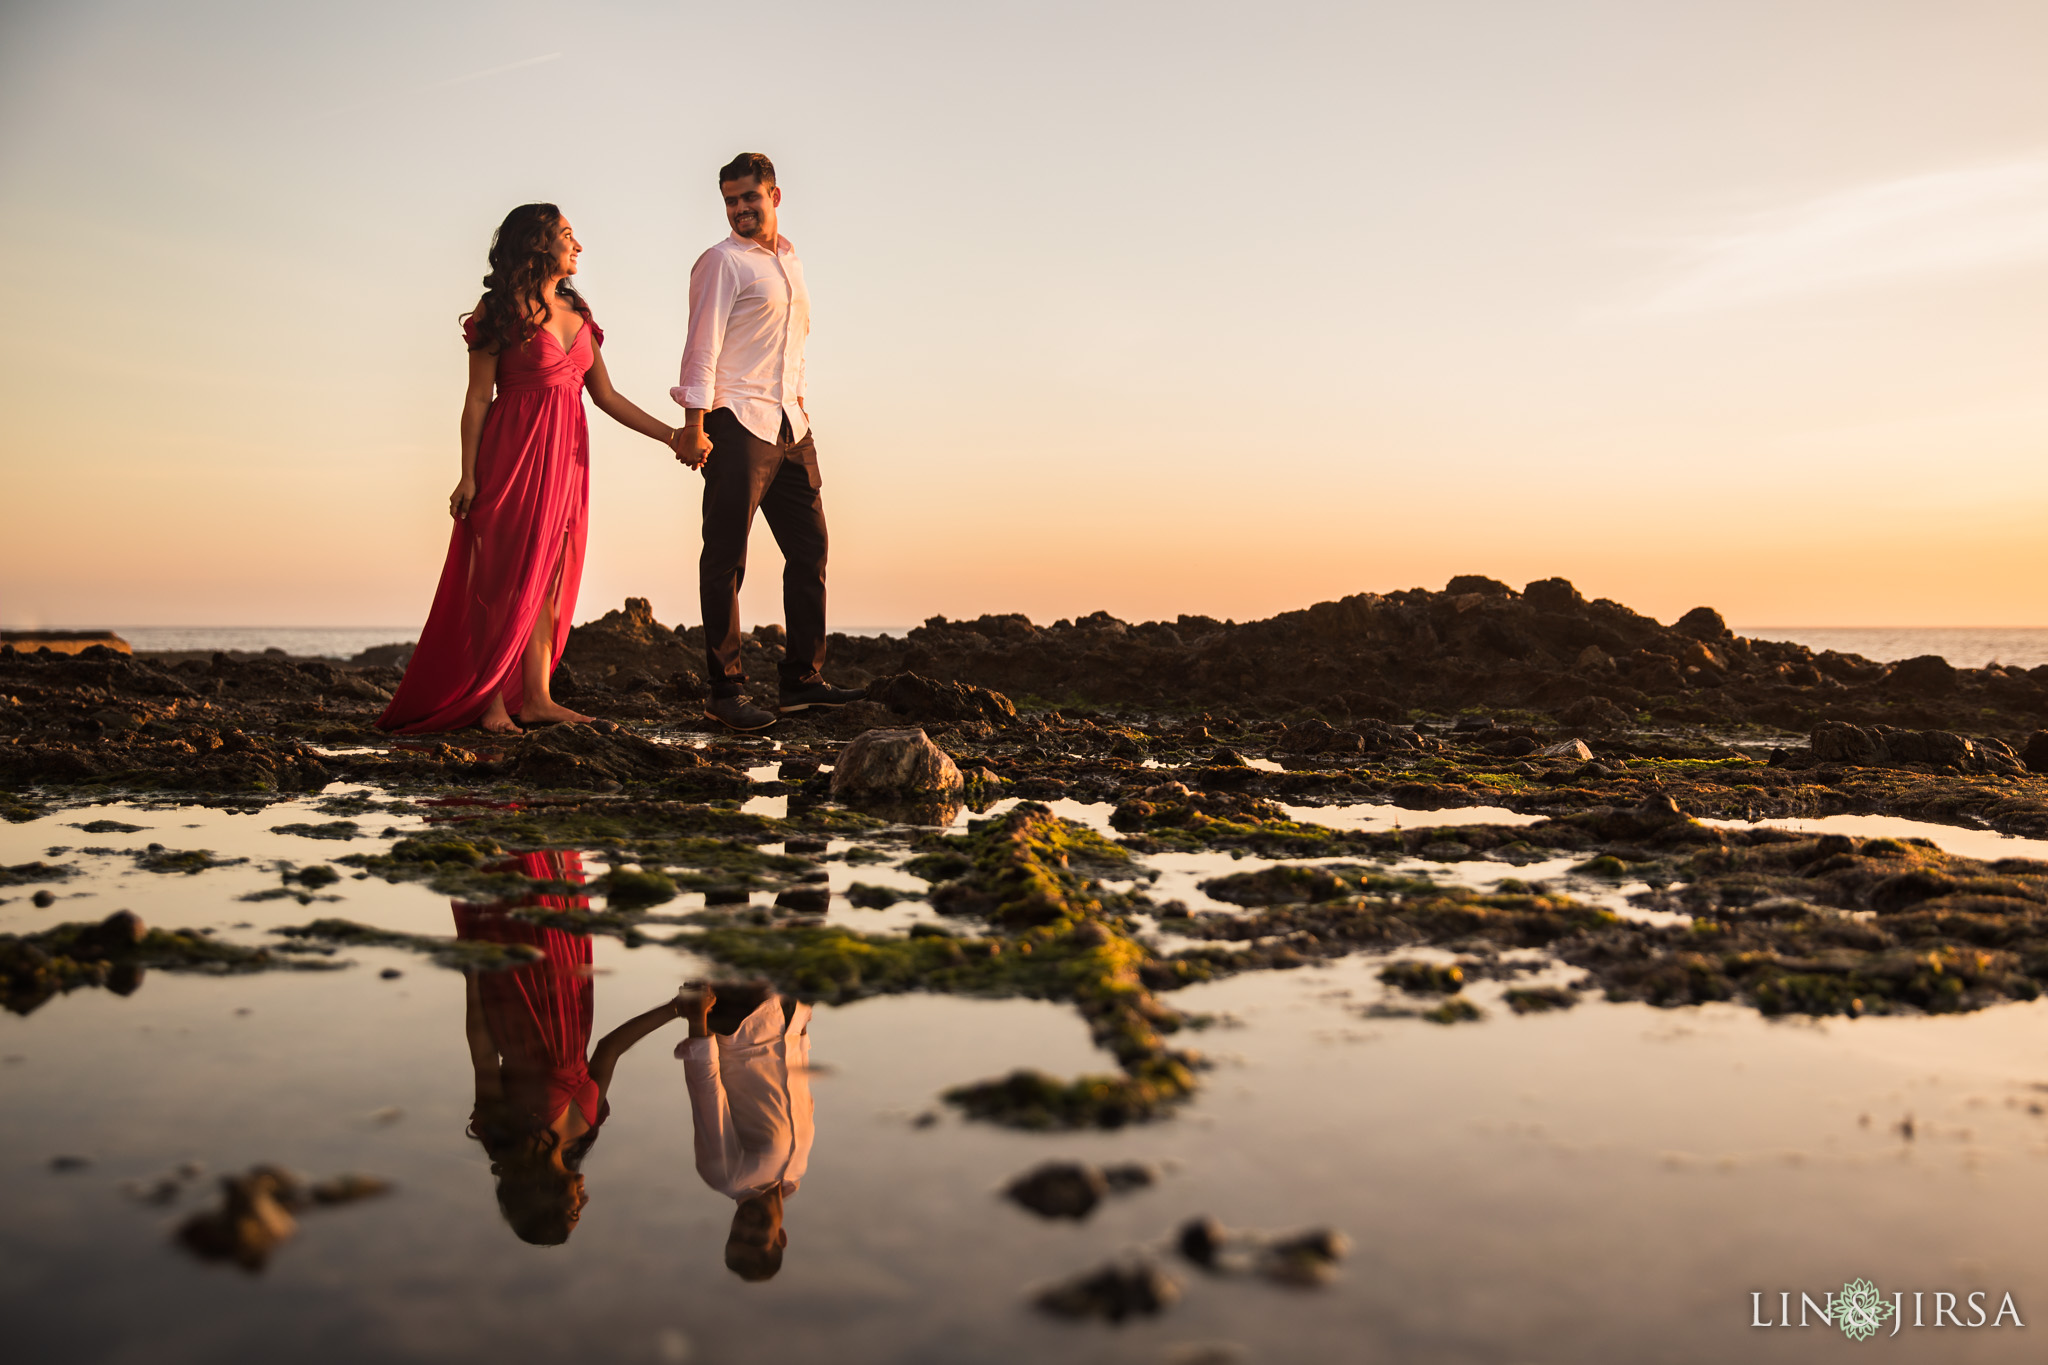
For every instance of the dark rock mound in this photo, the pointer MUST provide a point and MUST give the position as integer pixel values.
(1928, 675)
(920, 698)
(1703, 623)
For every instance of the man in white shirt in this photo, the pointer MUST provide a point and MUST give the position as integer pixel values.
(742, 389)
(751, 1112)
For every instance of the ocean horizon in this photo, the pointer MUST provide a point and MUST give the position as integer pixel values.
(1962, 646)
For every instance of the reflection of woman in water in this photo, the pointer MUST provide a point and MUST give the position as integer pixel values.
(747, 1063)
(539, 1103)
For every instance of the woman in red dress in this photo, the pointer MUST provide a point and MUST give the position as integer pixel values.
(540, 1087)
(508, 588)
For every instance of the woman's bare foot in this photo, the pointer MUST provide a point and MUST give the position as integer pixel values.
(496, 721)
(550, 712)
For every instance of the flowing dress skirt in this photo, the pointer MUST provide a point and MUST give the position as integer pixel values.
(521, 544)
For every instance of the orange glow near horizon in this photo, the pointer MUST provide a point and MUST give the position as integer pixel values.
(1737, 328)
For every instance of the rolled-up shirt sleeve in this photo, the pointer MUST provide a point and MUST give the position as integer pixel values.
(713, 286)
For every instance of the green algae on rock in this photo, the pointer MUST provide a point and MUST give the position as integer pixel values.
(1056, 935)
(113, 953)
(459, 953)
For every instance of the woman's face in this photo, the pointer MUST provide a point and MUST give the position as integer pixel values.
(566, 249)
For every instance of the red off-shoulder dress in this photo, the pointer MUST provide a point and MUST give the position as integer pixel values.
(539, 1015)
(523, 538)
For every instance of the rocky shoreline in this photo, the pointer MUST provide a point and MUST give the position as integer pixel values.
(1620, 733)
(1536, 701)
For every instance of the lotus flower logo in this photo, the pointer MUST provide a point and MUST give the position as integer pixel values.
(1859, 1311)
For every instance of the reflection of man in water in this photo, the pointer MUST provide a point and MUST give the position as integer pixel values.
(747, 1063)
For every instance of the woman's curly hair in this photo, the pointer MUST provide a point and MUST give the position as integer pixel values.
(538, 1202)
(522, 257)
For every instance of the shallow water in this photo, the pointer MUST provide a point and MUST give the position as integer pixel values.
(1610, 1183)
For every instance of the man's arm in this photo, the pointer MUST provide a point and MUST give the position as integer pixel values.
(714, 284)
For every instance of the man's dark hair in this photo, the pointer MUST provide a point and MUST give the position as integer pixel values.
(748, 164)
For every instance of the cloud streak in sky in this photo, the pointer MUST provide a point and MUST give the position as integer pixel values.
(497, 70)
(1937, 224)
(448, 84)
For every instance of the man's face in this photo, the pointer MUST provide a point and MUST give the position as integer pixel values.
(750, 208)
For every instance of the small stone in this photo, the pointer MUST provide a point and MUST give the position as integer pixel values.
(804, 900)
(63, 1164)
(390, 974)
(1201, 1239)
(1060, 1189)
(43, 900)
(1570, 751)
(1114, 1292)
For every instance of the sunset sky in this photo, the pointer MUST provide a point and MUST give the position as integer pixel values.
(1153, 308)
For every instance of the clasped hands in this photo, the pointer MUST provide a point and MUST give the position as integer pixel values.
(694, 1001)
(691, 445)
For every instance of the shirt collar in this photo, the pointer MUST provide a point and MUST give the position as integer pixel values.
(782, 246)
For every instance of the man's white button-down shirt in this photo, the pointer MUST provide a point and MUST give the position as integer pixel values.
(749, 316)
(750, 1102)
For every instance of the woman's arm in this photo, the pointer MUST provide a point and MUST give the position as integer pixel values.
(483, 377)
(483, 1052)
(615, 406)
(615, 1044)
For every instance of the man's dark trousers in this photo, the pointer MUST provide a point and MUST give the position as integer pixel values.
(780, 478)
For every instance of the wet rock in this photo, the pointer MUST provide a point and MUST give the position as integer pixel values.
(251, 1222)
(804, 900)
(1839, 742)
(1201, 1240)
(602, 753)
(43, 900)
(1279, 885)
(1539, 999)
(1570, 751)
(627, 641)
(458, 953)
(22, 873)
(386, 656)
(1060, 1189)
(1553, 594)
(1928, 675)
(255, 1215)
(893, 765)
(1703, 623)
(625, 889)
(924, 699)
(1227, 758)
(2035, 755)
(1595, 713)
(1887, 746)
(1424, 978)
(1305, 1259)
(1318, 737)
(1113, 1293)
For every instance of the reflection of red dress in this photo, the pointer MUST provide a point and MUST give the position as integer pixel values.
(539, 1015)
(529, 516)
